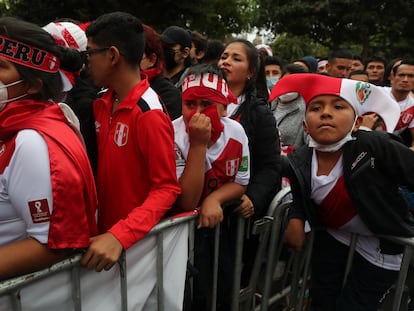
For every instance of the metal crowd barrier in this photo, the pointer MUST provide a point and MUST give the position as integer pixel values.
(12, 287)
(399, 286)
(291, 293)
(268, 228)
(301, 268)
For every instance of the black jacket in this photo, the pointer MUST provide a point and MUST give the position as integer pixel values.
(80, 99)
(375, 166)
(169, 94)
(265, 165)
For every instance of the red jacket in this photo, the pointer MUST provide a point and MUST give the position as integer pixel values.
(136, 177)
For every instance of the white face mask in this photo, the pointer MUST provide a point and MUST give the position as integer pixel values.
(335, 146)
(288, 97)
(4, 94)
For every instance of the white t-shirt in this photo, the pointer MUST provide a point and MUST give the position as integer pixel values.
(25, 188)
(407, 112)
(238, 169)
(367, 244)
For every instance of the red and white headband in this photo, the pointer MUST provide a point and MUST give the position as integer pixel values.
(207, 86)
(28, 55)
(362, 96)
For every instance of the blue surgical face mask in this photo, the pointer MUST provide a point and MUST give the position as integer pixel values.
(271, 81)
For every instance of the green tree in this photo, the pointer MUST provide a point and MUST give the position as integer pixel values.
(290, 48)
(375, 27)
(215, 18)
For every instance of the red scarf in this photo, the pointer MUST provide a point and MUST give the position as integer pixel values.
(153, 72)
(65, 150)
(216, 126)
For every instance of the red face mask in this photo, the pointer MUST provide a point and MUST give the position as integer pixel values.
(216, 126)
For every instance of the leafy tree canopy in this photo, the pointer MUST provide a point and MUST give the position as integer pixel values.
(382, 28)
(376, 27)
(213, 17)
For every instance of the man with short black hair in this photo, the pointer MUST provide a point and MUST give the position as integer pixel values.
(402, 84)
(136, 180)
(339, 63)
(375, 67)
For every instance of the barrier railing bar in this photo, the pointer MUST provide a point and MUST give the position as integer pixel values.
(191, 239)
(238, 263)
(160, 271)
(123, 281)
(262, 227)
(277, 297)
(15, 300)
(215, 267)
(170, 222)
(399, 287)
(277, 211)
(350, 259)
(271, 259)
(306, 269)
(9, 285)
(12, 286)
(402, 276)
(76, 288)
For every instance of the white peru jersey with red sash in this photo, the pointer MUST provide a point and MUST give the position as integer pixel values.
(341, 218)
(227, 160)
(407, 113)
(25, 188)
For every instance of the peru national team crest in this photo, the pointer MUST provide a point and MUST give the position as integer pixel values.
(121, 134)
(232, 166)
(362, 91)
(407, 117)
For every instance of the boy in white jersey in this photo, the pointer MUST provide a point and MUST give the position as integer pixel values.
(212, 166)
(348, 181)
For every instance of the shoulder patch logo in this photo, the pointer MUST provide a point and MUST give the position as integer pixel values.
(121, 134)
(362, 90)
(244, 165)
(39, 210)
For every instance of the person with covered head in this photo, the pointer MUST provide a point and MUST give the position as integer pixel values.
(213, 168)
(48, 198)
(152, 65)
(78, 91)
(348, 181)
(177, 46)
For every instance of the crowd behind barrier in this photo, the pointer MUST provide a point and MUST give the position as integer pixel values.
(68, 286)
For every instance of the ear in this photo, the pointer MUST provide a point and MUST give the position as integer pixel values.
(200, 55)
(152, 59)
(114, 54)
(186, 52)
(358, 123)
(35, 89)
(305, 127)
